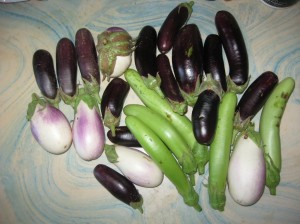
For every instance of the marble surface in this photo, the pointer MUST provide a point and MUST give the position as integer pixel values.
(38, 187)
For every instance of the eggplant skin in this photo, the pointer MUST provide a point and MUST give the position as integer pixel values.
(256, 95)
(145, 52)
(187, 58)
(118, 185)
(123, 136)
(213, 59)
(114, 96)
(66, 66)
(205, 116)
(87, 55)
(234, 46)
(44, 73)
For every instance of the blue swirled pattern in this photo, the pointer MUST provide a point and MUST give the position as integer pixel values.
(38, 187)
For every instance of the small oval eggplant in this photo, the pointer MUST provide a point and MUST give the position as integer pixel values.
(113, 99)
(49, 126)
(123, 136)
(256, 95)
(169, 85)
(187, 58)
(88, 130)
(66, 68)
(235, 50)
(213, 59)
(135, 165)
(119, 186)
(45, 76)
(205, 116)
(87, 55)
(170, 27)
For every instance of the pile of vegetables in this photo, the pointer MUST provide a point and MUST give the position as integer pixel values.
(219, 134)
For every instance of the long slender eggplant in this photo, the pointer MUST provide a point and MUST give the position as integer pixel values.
(43, 69)
(119, 186)
(113, 99)
(123, 136)
(177, 18)
(169, 85)
(255, 97)
(235, 50)
(213, 59)
(187, 58)
(145, 57)
(66, 68)
(88, 61)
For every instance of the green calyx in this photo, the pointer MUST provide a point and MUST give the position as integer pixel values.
(232, 87)
(32, 105)
(153, 83)
(88, 98)
(189, 6)
(111, 121)
(92, 87)
(210, 83)
(111, 154)
(69, 100)
(179, 107)
(138, 205)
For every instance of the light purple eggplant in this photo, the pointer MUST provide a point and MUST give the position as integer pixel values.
(49, 126)
(88, 129)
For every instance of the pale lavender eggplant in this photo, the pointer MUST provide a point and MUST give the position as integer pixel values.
(51, 129)
(88, 132)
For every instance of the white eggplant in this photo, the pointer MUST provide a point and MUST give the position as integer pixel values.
(247, 170)
(135, 165)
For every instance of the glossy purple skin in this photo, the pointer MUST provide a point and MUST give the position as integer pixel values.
(51, 129)
(123, 136)
(115, 29)
(88, 132)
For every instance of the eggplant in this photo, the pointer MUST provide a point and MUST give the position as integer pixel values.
(204, 116)
(88, 61)
(43, 69)
(255, 96)
(123, 136)
(177, 18)
(187, 59)
(66, 68)
(112, 102)
(235, 50)
(213, 62)
(119, 186)
(169, 85)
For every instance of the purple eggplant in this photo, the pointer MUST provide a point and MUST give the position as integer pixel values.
(177, 18)
(213, 59)
(235, 50)
(113, 99)
(187, 59)
(66, 68)
(169, 85)
(88, 129)
(119, 186)
(43, 69)
(123, 136)
(88, 60)
(255, 97)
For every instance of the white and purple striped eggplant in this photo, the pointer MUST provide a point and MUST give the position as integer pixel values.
(49, 126)
(88, 129)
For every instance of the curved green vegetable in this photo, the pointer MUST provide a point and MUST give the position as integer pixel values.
(161, 105)
(269, 128)
(163, 157)
(167, 133)
(220, 152)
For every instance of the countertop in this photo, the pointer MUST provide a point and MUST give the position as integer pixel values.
(39, 187)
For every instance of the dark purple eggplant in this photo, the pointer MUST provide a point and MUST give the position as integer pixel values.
(43, 69)
(112, 102)
(187, 59)
(205, 116)
(169, 85)
(213, 59)
(235, 50)
(255, 96)
(123, 136)
(88, 61)
(173, 22)
(119, 186)
(66, 69)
